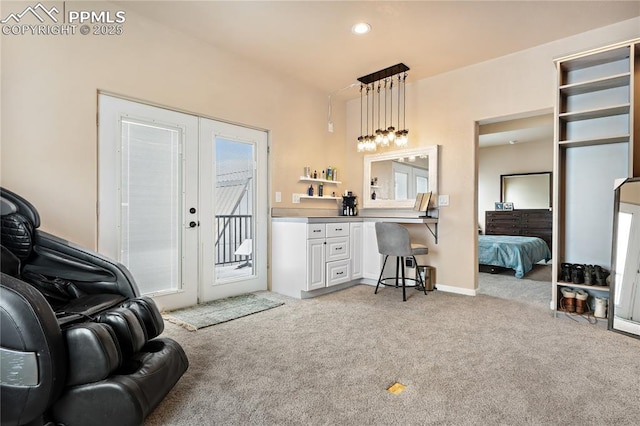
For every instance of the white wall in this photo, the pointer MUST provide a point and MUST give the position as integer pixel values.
(444, 110)
(49, 106)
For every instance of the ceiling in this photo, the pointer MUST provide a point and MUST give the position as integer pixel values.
(535, 128)
(312, 41)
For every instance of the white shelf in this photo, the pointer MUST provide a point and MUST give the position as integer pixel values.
(594, 141)
(308, 179)
(604, 83)
(315, 197)
(595, 113)
(582, 286)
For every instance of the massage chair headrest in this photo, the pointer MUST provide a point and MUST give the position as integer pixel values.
(11, 202)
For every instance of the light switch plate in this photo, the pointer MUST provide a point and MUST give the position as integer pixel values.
(295, 198)
(443, 200)
(278, 197)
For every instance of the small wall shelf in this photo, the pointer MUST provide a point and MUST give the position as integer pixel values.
(316, 197)
(309, 179)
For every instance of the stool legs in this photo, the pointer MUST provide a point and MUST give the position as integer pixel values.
(381, 272)
(400, 274)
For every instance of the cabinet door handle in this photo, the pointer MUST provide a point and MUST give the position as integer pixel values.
(339, 273)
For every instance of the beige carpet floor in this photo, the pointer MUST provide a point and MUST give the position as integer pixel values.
(464, 361)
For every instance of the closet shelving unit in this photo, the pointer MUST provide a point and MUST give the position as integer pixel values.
(596, 117)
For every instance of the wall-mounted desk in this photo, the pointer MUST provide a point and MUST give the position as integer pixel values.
(319, 254)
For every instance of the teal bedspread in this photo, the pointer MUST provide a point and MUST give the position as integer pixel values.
(518, 253)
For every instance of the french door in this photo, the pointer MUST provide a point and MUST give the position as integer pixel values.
(233, 164)
(182, 202)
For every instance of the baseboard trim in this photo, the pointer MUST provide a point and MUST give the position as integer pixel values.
(456, 290)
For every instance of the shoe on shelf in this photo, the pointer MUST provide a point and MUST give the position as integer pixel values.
(581, 302)
(577, 274)
(568, 301)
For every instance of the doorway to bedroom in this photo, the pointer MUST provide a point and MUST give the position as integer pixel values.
(515, 160)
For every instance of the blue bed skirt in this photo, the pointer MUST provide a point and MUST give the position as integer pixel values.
(517, 253)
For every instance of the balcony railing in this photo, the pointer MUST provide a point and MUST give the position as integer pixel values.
(233, 230)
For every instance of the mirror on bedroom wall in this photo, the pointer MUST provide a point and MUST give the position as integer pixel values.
(392, 179)
(527, 190)
(624, 306)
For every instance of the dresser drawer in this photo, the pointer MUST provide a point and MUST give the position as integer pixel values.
(337, 248)
(316, 230)
(338, 272)
(337, 230)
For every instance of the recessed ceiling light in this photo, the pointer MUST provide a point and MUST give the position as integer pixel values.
(361, 28)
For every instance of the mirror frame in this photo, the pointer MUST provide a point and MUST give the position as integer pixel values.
(612, 290)
(550, 197)
(432, 151)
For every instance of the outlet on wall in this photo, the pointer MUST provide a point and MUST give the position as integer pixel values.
(278, 197)
(443, 200)
(295, 198)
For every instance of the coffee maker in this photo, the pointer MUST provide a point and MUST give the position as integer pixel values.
(349, 205)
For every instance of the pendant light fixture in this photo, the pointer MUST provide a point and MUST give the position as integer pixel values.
(379, 85)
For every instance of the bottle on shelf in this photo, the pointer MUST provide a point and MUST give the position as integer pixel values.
(320, 189)
(315, 174)
(310, 191)
(373, 195)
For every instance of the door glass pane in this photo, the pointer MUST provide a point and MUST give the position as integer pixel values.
(151, 205)
(234, 196)
(401, 185)
(422, 184)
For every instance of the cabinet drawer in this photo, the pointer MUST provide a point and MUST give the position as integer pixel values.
(316, 230)
(338, 272)
(337, 248)
(337, 230)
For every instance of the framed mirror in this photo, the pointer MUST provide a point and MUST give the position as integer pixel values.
(624, 297)
(392, 179)
(527, 190)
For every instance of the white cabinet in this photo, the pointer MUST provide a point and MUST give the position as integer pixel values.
(355, 246)
(309, 256)
(315, 264)
(337, 254)
(371, 259)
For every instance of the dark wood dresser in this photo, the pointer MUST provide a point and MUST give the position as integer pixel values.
(528, 223)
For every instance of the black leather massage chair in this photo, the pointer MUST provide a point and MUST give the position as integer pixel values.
(78, 345)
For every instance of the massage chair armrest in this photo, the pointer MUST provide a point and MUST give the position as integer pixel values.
(34, 356)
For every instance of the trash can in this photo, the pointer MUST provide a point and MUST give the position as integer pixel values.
(426, 273)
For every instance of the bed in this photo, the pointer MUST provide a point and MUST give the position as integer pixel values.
(514, 252)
